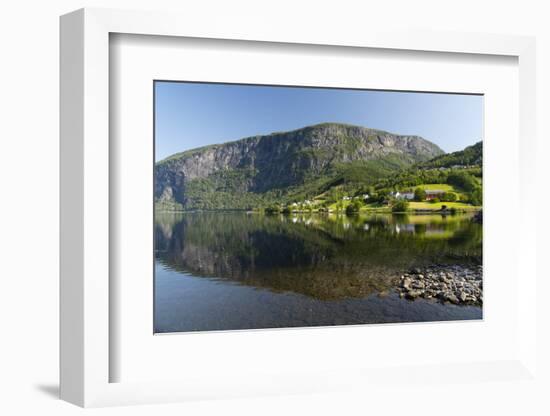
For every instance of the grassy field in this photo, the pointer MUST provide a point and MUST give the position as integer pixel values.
(438, 186)
(376, 207)
(443, 187)
(437, 206)
(421, 206)
(366, 207)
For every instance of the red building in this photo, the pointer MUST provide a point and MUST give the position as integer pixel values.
(434, 193)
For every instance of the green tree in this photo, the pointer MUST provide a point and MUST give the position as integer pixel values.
(273, 209)
(419, 194)
(463, 180)
(333, 195)
(383, 195)
(354, 207)
(400, 206)
(448, 197)
(476, 197)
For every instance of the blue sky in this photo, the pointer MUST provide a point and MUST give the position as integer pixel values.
(190, 115)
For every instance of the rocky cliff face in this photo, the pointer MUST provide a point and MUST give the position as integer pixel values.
(280, 160)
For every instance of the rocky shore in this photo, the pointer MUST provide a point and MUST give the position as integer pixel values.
(460, 285)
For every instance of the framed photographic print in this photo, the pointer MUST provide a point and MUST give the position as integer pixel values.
(269, 213)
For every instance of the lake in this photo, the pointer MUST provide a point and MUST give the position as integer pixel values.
(237, 270)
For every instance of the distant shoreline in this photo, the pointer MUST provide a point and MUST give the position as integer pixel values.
(366, 211)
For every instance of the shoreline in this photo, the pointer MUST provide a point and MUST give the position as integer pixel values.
(366, 211)
(456, 284)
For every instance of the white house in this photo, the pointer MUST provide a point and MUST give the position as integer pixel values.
(403, 195)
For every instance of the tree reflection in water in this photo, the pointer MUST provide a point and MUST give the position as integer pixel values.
(325, 257)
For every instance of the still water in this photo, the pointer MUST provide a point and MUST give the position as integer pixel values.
(235, 270)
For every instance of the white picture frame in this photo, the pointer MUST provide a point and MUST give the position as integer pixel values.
(86, 331)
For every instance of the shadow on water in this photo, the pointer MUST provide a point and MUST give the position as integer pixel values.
(325, 257)
(313, 259)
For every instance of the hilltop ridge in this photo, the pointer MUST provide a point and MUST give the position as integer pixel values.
(284, 165)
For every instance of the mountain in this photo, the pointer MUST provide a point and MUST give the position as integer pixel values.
(258, 170)
(470, 156)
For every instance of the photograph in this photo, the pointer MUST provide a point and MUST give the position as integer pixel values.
(299, 206)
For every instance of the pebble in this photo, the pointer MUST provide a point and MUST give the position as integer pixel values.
(460, 285)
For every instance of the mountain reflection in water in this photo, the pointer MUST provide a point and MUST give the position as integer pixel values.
(312, 269)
